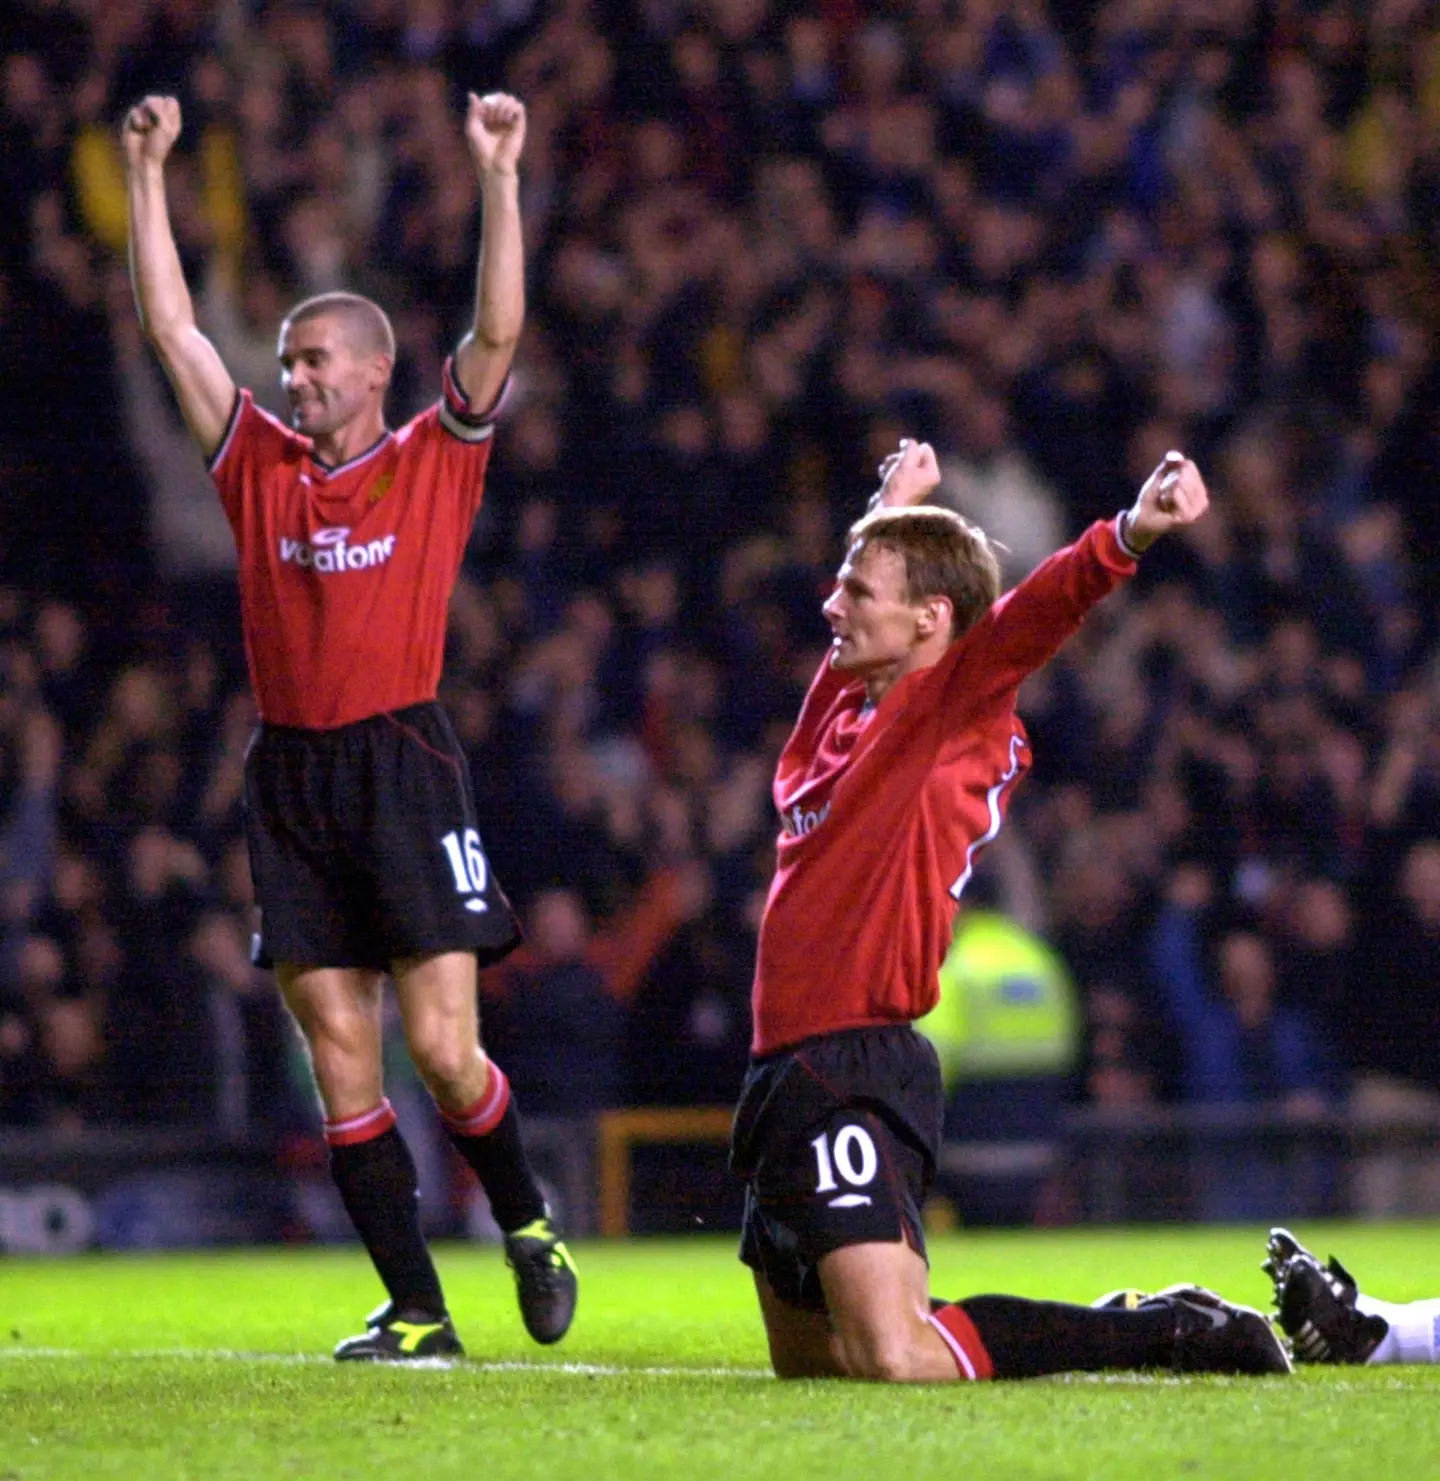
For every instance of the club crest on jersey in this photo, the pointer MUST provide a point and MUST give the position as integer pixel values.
(328, 553)
(797, 822)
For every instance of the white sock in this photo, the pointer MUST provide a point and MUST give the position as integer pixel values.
(1414, 1333)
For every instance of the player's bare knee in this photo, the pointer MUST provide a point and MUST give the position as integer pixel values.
(448, 1065)
(878, 1356)
(896, 1366)
(338, 1045)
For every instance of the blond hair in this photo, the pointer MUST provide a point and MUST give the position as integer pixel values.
(944, 554)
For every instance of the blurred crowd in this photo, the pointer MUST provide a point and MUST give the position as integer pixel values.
(765, 241)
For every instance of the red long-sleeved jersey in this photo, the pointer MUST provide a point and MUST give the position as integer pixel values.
(883, 810)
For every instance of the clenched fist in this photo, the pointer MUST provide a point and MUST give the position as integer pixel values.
(150, 130)
(1173, 495)
(495, 132)
(909, 476)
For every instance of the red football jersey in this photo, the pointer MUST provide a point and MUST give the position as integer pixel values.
(883, 810)
(346, 573)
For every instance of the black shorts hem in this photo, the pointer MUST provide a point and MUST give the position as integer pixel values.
(795, 1282)
(265, 956)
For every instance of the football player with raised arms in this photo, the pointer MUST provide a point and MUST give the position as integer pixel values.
(364, 845)
(899, 769)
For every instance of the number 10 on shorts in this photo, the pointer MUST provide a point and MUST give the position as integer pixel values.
(853, 1157)
(467, 864)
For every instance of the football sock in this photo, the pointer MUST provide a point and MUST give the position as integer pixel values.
(487, 1136)
(1025, 1339)
(1414, 1331)
(375, 1174)
(958, 1333)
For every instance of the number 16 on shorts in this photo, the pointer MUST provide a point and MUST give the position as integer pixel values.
(467, 864)
(850, 1152)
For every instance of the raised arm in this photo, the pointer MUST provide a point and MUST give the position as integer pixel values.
(495, 133)
(203, 385)
(1029, 624)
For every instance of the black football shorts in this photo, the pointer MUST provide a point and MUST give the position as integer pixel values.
(836, 1139)
(364, 845)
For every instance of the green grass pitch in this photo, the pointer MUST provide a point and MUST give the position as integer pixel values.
(215, 1366)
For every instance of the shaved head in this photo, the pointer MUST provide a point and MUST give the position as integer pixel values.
(365, 325)
(337, 353)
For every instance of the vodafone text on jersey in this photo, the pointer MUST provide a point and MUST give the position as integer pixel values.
(329, 554)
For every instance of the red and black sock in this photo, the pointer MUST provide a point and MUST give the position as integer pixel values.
(1025, 1339)
(375, 1174)
(487, 1136)
(963, 1339)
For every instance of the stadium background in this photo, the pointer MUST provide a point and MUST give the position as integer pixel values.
(765, 241)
